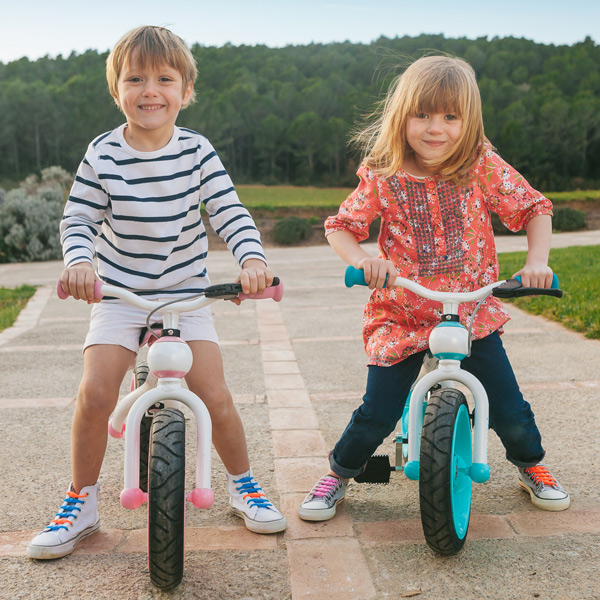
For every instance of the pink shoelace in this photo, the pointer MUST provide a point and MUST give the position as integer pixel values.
(326, 486)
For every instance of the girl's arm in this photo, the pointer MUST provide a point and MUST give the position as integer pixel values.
(349, 250)
(536, 272)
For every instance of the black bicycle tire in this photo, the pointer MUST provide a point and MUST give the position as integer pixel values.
(141, 373)
(166, 498)
(435, 495)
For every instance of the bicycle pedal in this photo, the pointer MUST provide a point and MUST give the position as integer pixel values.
(377, 470)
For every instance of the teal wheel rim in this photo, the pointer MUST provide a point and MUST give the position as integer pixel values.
(460, 480)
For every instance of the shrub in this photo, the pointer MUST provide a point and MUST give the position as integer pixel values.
(568, 219)
(290, 230)
(29, 225)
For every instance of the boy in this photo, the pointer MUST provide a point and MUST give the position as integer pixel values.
(135, 204)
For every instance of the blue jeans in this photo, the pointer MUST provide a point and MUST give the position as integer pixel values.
(388, 387)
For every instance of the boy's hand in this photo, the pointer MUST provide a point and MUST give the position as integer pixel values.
(78, 281)
(255, 276)
(376, 270)
(535, 275)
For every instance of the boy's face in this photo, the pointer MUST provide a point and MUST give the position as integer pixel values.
(151, 99)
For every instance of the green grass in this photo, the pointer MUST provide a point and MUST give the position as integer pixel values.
(574, 196)
(281, 196)
(273, 197)
(12, 301)
(578, 271)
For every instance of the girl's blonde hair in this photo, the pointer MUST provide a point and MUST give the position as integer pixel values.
(431, 84)
(152, 46)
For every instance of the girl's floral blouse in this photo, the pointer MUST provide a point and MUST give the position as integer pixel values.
(440, 236)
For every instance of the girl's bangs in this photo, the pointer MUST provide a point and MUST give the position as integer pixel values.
(444, 95)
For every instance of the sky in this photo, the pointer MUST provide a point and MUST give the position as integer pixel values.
(37, 28)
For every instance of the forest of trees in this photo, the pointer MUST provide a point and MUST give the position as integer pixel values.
(284, 115)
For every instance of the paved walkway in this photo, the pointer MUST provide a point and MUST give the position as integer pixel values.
(297, 371)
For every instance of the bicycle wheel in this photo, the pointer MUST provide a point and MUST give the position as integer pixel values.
(444, 482)
(166, 498)
(141, 373)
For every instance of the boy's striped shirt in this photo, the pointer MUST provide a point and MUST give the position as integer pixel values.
(139, 213)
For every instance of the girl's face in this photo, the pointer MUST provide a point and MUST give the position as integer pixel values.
(432, 136)
(151, 99)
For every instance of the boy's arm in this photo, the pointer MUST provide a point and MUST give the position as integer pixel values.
(536, 272)
(350, 251)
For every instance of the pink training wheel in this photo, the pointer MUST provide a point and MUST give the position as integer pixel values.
(201, 497)
(133, 498)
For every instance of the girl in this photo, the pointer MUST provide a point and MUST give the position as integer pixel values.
(432, 176)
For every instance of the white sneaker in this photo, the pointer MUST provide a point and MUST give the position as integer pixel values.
(76, 519)
(546, 493)
(248, 501)
(320, 503)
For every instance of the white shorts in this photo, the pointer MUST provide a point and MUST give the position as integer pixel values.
(119, 323)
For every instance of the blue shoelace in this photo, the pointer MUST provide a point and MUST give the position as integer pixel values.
(66, 512)
(252, 492)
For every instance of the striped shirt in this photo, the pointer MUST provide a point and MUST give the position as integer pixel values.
(139, 214)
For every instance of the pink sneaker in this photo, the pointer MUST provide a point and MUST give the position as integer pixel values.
(320, 503)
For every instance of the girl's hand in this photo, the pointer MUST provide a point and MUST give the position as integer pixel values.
(78, 281)
(535, 275)
(376, 270)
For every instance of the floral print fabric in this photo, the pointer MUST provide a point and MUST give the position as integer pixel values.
(440, 236)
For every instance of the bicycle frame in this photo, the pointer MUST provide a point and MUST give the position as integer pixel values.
(449, 343)
(169, 360)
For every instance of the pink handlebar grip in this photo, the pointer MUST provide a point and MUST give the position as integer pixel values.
(63, 296)
(275, 292)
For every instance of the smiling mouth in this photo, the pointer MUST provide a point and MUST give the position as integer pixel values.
(150, 106)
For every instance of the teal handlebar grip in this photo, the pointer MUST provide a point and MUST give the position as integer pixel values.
(554, 285)
(354, 277)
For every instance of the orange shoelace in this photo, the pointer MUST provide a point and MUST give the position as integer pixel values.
(541, 474)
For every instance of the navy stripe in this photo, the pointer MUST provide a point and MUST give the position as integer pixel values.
(238, 231)
(135, 161)
(86, 203)
(255, 254)
(187, 192)
(141, 180)
(86, 258)
(89, 183)
(208, 157)
(164, 219)
(246, 241)
(82, 235)
(141, 238)
(160, 257)
(219, 195)
(232, 220)
(100, 138)
(94, 231)
(198, 223)
(138, 273)
(213, 175)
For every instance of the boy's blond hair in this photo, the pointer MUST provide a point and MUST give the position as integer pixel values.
(430, 84)
(153, 46)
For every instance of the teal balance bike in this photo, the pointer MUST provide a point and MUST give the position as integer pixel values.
(441, 443)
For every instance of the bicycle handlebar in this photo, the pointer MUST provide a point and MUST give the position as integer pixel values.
(226, 291)
(510, 288)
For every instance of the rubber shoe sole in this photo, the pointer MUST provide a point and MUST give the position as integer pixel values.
(261, 526)
(318, 514)
(552, 505)
(60, 550)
